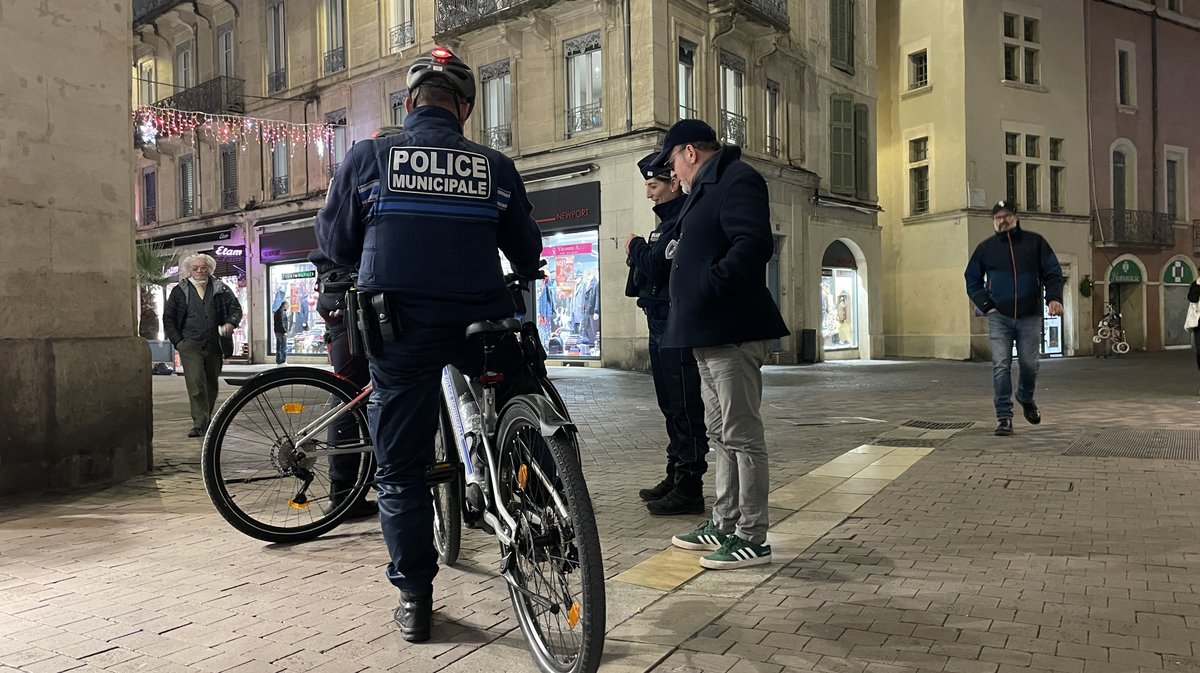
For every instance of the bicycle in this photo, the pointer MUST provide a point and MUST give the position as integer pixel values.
(1109, 329)
(513, 471)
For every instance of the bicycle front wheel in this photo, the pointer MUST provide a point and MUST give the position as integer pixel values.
(555, 558)
(262, 481)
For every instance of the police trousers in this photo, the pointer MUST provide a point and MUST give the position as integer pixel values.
(677, 387)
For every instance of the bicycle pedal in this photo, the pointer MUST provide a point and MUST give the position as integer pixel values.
(440, 473)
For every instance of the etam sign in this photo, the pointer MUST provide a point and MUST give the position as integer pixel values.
(226, 251)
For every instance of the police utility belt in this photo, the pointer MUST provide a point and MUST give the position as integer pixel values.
(372, 318)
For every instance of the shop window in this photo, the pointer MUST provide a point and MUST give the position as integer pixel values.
(839, 298)
(567, 302)
(295, 285)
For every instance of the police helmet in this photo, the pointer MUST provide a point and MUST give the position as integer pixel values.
(442, 69)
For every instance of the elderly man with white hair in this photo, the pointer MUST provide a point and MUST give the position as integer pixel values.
(199, 319)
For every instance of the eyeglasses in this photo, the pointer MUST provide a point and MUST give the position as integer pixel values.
(671, 159)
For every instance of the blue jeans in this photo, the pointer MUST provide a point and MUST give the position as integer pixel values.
(280, 347)
(1027, 332)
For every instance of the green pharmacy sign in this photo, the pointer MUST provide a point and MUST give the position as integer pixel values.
(1178, 273)
(1125, 272)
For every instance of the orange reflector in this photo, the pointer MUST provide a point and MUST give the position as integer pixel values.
(293, 407)
(297, 505)
(573, 614)
(522, 476)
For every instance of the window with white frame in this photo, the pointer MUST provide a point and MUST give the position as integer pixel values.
(1058, 171)
(335, 36)
(584, 83)
(340, 141)
(225, 64)
(279, 169)
(1126, 75)
(496, 87)
(771, 118)
(402, 33)
(146, 82)
(187, 185)
(841, 35)
(918, 175)
(686, 76)
(398, 110)
(1175, 178)
(918, 69)
(1022, 49)
(733, 114)
(184, 66)
(276, 47)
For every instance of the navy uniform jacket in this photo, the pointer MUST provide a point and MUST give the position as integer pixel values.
(1017, 264)
(718, 287)
(422, 213)
(650, 258)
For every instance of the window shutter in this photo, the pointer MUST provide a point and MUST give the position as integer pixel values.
(841, 144)
(862, 163)
(150, 190)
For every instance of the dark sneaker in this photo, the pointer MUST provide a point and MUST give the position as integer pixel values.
(414, 616)
(1031, 413)
(706, 537)
(1003, 427)
(363, 509)
(195, 432)
(656, 493)
(737, 553)
(677, 501)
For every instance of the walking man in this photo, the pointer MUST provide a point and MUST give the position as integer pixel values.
(676, 377)
(722, 310)
(1007, 278)
(199, 319)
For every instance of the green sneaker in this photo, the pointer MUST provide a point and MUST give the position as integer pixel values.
(737, 553)
(706, 537)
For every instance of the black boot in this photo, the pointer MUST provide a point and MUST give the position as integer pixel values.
(361, 509)
(663, 487)
(685, 497)
(414, 616)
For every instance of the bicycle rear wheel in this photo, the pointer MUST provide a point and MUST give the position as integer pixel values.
(555, 560)
(447, 497)
(259, 480)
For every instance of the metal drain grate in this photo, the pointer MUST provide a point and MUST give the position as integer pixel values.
(935, 425)
(1137, 443)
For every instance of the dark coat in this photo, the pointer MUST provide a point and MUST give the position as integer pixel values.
(1008, 272)
(187, 316)
(648, 258)
(718, 286)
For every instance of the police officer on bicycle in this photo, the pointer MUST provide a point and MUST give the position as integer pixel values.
(422, 214)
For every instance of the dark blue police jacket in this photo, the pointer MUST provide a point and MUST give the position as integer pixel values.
(718, 278)
(422, 214)
(649, 256)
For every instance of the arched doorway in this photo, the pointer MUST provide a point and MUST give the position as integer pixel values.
(1127, 295)
(1178, 274)
(843, 295)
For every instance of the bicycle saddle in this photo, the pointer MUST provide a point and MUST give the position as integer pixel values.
(491, 326)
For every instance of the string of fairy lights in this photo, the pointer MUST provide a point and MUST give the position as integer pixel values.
(154, 123)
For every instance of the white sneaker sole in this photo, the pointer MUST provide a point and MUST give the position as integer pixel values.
(730, 565)
(694, 546)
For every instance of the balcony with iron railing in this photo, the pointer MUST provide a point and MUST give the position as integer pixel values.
(770, 13)
(455, 17)
(145, 11)
(733, 128)
(1132, 227)
(584, 118)
(335, 60)
(229, 198)
(688, 112)
(219, 95)
(279, 186)
(187, 206)
(774, 146)
(149, 215)
(497, 137)
(401, 36)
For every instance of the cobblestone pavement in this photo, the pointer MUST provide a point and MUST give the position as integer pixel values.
(990, 555)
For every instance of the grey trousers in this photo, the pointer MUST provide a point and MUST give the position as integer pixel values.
(201, 368)
(731, 382)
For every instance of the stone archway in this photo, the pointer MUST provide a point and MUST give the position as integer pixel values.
(1126, 292)
(843, 302)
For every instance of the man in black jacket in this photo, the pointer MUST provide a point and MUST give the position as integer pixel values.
(676, 377)
(1007, 277)
(722, 310)
(199, 320)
